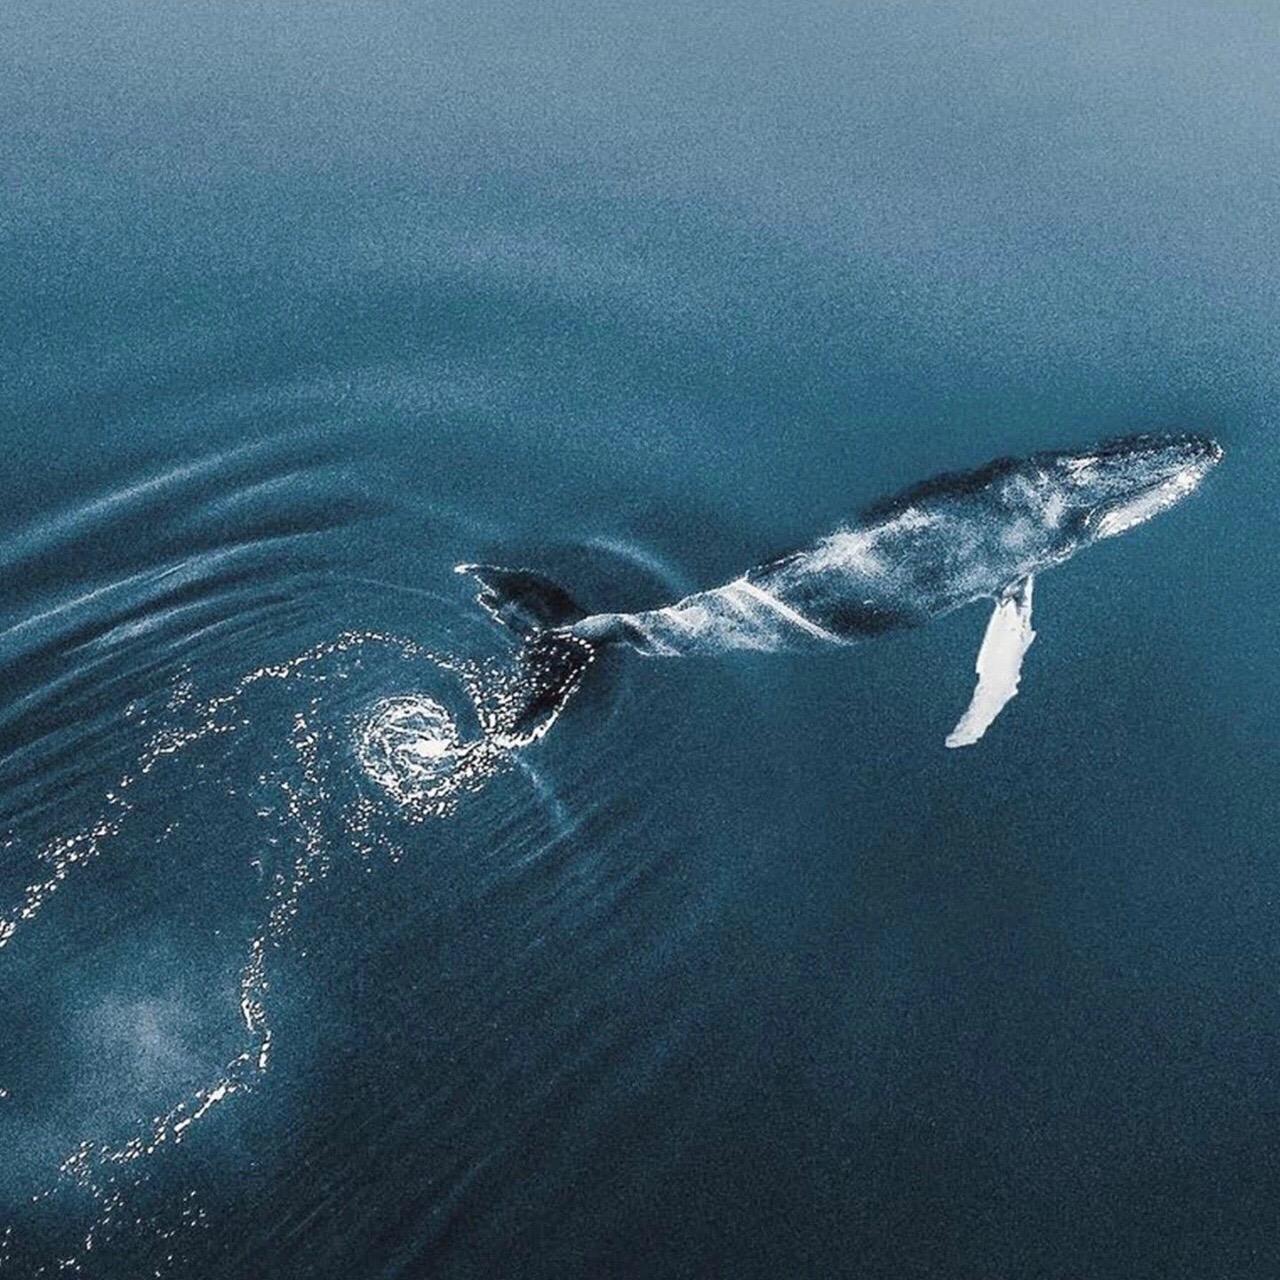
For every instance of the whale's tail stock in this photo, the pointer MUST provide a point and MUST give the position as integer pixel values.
(551, 661)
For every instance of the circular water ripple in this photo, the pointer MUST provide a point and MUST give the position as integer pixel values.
(356, 752)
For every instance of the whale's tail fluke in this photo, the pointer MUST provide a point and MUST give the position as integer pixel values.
(551, 661)
(523, 602)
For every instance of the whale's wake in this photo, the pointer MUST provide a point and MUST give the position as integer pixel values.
(422, 751)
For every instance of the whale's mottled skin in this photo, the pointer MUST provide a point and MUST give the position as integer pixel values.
(948, 542)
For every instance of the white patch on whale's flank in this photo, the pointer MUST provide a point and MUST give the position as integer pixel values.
(1081, 468)
(750, 626)
(859, 551)
(999, 666)
(1148, 504)
(598, 628)
(1024, 488)
(687, 618)
(783, 611)
(1019, 533)
(911, 520)
(849, 549)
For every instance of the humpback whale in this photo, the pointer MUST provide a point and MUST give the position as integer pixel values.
(950, 541)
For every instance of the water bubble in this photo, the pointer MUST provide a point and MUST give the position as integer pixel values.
(408, 744)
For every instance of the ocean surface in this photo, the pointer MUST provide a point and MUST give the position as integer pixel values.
(738, 972)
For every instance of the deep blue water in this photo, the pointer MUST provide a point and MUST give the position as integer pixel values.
(738, 972)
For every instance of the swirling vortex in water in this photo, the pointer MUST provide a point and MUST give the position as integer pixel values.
(411, 747)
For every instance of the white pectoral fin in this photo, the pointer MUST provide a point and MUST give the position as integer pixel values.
(1009, 636)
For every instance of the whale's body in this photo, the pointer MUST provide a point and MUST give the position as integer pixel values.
(936, 547)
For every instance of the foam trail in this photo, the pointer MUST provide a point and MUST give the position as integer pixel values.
(408, 745)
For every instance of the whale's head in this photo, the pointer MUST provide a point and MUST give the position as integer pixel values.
(1122, 483)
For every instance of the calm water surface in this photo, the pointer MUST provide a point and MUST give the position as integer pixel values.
(738, 972)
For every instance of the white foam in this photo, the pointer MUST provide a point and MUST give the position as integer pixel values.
(408, 742)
